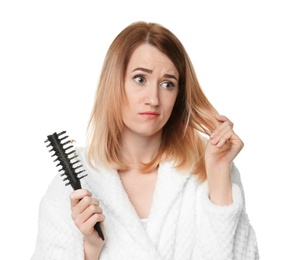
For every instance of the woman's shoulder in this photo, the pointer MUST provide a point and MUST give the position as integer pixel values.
(58, 186)
(82, 154)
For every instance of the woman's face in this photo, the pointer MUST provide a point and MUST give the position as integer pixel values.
(151, 87)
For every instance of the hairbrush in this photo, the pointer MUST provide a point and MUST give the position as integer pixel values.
(71, 167)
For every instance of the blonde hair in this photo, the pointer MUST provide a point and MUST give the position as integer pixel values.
(192, 117)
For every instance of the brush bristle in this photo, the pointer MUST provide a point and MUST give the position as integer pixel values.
(65, 154)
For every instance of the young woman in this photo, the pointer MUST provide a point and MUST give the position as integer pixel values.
(161, 178)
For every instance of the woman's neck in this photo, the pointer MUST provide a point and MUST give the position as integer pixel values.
(136, 149)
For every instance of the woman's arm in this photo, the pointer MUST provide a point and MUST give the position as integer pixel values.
(224, 231)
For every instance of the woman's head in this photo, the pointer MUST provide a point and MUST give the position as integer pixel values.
(150, 90)
(191, 110)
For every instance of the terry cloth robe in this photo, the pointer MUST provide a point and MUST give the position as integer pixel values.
(183, 223)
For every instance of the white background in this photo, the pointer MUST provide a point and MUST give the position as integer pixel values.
(248, 58)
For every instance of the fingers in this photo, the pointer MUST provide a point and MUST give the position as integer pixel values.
(87, 227)
(77, 195)
(222, 133)
(81, 203)
(85, 211)
(86, 207)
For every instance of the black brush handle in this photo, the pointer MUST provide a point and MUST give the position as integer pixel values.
(65, 154)
(98, 229)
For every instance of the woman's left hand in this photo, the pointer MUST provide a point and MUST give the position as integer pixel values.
(222, 148)
(224, 145)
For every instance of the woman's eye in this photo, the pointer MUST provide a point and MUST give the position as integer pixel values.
(140, 79)
(167, 85)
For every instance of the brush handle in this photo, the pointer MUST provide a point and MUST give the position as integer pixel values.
(98, 229)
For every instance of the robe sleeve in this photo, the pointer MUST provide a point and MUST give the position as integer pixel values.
(224, 232)
(58, 237)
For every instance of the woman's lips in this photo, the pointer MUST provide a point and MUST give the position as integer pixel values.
(149, 114)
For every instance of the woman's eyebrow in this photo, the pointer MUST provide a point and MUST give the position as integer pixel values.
(143, 69)
(150, 71)
(170, 76)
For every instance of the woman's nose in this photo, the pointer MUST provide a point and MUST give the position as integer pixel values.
(152, 97)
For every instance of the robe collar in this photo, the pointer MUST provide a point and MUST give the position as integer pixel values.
(106, 185)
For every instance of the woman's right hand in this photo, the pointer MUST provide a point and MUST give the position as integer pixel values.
(86, 212)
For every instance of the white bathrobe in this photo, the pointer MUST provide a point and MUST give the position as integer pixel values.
(183, 223)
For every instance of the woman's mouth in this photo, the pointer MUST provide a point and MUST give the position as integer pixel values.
(149, 114)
